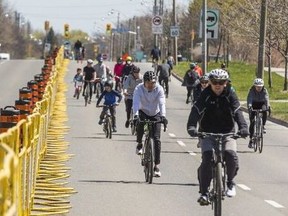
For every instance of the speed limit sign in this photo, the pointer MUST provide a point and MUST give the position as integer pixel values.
(174, 31)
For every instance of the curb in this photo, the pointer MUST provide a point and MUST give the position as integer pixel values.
(244, 109)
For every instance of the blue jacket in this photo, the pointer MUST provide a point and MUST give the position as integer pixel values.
(109, 97)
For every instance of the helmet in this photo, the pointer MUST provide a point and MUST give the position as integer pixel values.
(223, 65)
(149, 76)
(100, 59)
(119, 59)
(218, 74)
(109, 83)
(89, 61)
(135, 69)
(192, 65)
(258, 82)
(205, 77)
(128, 58)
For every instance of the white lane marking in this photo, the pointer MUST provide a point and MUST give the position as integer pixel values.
(172, 135)
(244, 187)
(181, 143)
(274, 204)
(192, 153)
(2, 62)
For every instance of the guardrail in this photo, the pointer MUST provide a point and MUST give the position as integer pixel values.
(24, 146)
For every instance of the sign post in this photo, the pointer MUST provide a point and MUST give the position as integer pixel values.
(157, 25)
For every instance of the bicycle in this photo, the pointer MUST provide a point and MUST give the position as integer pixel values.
(163, 84)
(107, 121)
(87, 92)
(155, 65)
(132, 125)
(257, 138)
(97, 87)
(217, 192)
(147, 158)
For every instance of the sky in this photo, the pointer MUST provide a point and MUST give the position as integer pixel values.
(87, 15)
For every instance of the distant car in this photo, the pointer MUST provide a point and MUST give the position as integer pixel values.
(4, 56)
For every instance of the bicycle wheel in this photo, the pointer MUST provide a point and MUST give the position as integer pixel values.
(149, 158)
(218, 190)
(86, 99)
(98, 90)
(109, 128)
(260, 142)
(255, 145)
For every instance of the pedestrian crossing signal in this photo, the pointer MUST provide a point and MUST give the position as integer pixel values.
(108, 27)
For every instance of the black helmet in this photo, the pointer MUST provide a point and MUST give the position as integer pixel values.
(119, 59)
(109, 83)
(135, 69)
(149, 76)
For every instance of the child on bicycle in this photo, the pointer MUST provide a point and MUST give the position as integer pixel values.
(78, 82)
(110, 103)
(217, 110)
(258, 98)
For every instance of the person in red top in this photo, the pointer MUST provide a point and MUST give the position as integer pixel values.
(198, 70)
(118, 68)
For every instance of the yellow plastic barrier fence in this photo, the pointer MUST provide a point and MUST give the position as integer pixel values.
(32, 153)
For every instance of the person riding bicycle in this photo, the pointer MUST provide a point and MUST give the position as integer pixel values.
(170, 60)
(155, 54)
(110, 97)
(78, 81)
(216, 110)
(149, 103)
(129, 86)
(101, 74)
(127, 68)
(202, 84)
(89, 76)
(77, 49)
(164, 73)
(118, 70)
(189, 80)
(258, 98)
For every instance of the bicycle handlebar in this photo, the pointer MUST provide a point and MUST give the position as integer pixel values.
(103, 105)
(154, 122)
(218, 135)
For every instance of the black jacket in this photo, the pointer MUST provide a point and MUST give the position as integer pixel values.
(217, 114)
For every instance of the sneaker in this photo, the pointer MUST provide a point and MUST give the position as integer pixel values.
(203, 200)
(231, 190)
(100, 122)
(187, 101)
(74, 95)
(264, 130)
(127, 123)
(114, 129)
(250, 145)
(89, 102)
(139, 150)
(157, 172)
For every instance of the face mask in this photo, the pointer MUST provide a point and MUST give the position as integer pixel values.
(128, 62)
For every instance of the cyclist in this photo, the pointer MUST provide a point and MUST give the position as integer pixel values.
(118, 69)
(129, 86)
(217, 109)
(89, 76)
(155, 54)
(198, 69)
(101, 74)
(127, 68)
(164, 73)
(78, 81)
(202, 84)
(170, 60)
(258, 98)
(77, 49)
(149, 103)
(189, 80)
(110, 97)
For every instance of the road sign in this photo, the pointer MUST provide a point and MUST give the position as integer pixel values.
(157, 25)
(212, 24)
(174, 31)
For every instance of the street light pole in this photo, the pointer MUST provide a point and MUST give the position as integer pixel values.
(204, 36)
(175, 38)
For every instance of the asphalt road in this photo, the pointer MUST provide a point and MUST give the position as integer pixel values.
(110, 180)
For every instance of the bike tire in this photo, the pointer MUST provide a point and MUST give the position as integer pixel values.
(149, 157)
(260, 147)
(218, 190)
(109, 128)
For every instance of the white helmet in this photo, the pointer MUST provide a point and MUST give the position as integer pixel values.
(218, 74)
(258, 82)
(89, 61)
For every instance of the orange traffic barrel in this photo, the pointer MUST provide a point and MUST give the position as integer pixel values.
(34, 86)
(25, 93)
(41, 85)
(9, 116)
(24, 107)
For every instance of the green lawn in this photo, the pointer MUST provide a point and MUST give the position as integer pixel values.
(242, 76)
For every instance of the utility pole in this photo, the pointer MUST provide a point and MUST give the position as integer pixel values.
(175, 38)
(261, 51)
(204, 36)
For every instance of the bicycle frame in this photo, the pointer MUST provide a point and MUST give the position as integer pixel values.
(87, 92)
(258, 130)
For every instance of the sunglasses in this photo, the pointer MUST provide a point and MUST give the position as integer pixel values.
(205, 82)
(218, 82)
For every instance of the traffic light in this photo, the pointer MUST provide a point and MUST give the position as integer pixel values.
(108, 27)
(46, 25)
(66, 31)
